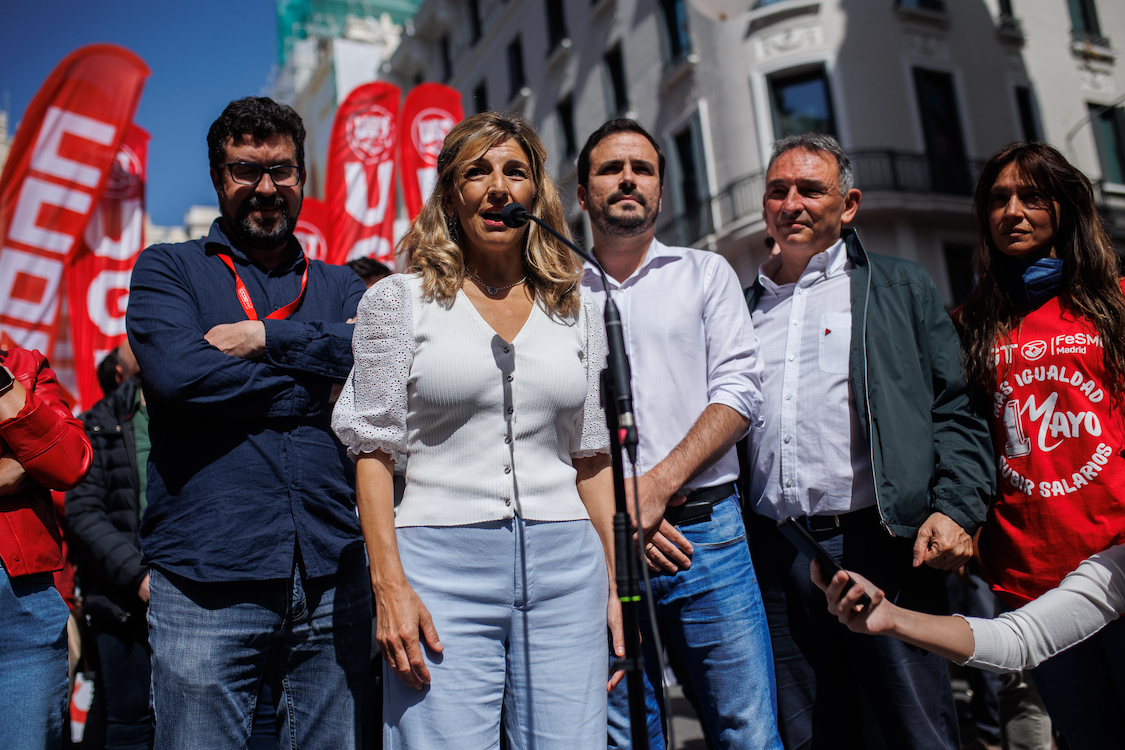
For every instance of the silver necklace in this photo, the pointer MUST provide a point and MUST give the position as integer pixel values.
(492, 291)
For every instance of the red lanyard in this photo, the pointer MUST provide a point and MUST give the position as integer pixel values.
(244, 294)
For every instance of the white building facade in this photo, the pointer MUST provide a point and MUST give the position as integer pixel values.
(920, 93)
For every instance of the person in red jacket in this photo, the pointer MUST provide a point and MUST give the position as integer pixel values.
(42, 447)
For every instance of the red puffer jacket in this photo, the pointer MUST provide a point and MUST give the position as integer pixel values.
(53, 449)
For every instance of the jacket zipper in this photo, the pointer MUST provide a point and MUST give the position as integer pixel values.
(867, 397)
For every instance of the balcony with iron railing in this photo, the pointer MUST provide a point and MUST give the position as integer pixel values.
(875, 170)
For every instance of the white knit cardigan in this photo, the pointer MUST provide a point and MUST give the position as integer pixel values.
(490, 427)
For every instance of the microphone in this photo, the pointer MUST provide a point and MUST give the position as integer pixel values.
(515, 215)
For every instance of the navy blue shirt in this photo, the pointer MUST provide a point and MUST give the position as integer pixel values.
(244, 465)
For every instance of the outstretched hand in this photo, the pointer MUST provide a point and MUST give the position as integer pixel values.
(873, 619)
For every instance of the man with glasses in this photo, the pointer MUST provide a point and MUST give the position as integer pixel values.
(257, 570)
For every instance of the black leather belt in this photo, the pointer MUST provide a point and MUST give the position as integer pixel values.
(823, 524)
(698, 506)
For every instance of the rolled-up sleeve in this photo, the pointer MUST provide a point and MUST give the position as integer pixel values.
(734, 369)
(370, 414)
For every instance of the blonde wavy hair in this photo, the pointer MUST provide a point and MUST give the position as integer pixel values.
(552, 269)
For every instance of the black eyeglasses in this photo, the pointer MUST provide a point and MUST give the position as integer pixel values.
(283, 175)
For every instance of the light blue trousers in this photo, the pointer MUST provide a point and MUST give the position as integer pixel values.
(520, 608)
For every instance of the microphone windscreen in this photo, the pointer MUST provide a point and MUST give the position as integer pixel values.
(514, 215)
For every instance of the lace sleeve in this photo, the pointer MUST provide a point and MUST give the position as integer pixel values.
(371, 411)
(592, 433)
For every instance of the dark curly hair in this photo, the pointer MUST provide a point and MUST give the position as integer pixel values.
(256, 116)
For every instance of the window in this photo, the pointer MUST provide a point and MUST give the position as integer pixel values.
(564, 110)
(1029, 117)
(941, 125)
(959, 267)
(556, 24)
(1109, 134)
(516, 80)
(616, 94)
(801, 103)
(474, 19)
(1084, 23)
(480, 97)
(677, 39)
(689, 170)
(446, 59)
(687, 186)
(934, 5)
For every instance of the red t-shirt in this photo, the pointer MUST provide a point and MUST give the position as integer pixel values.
(1059, 440)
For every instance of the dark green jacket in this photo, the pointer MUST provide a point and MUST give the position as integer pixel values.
(930, 450)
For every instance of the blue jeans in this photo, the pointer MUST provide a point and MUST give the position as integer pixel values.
(214, 643)
(1084, 689)
(520, 608)
(33, 662)
(713, 614)
(838, 689)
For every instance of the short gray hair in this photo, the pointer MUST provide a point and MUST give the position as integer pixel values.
(817, 143)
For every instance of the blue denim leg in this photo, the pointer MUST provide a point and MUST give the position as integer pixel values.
(713, 613)
(214, 643)
(33, 662)
(1084, 689)
(620, 727)
(838, 689)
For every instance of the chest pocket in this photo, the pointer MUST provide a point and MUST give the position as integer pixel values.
(835, 336)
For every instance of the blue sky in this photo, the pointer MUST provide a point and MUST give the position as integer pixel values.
(202, 54)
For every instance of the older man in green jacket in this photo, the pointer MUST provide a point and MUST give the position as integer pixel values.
(869, 440)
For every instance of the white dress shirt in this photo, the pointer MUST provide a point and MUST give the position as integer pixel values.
(690, 343)
(809, 457)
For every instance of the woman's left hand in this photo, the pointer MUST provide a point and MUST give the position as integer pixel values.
(617, 634)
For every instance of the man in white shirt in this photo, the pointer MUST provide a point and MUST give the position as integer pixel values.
(694, 360)
(868, 440)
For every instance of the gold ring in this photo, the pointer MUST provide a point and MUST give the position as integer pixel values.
(649, 546)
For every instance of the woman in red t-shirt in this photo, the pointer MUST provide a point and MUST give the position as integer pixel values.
(1043, 334)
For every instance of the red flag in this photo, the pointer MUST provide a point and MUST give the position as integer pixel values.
(312, 229)
(97, 279)
(55, 174)
(360, 175)
(429, 112)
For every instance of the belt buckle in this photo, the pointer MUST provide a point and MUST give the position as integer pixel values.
(828, 523)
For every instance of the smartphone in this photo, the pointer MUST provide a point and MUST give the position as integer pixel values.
(808, 546)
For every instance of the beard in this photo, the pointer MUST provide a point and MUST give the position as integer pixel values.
(623, 224)
(247, 233)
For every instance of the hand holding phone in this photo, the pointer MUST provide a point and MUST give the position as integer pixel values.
(807, 545)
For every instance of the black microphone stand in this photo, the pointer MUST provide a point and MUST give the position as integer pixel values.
(617, 401)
